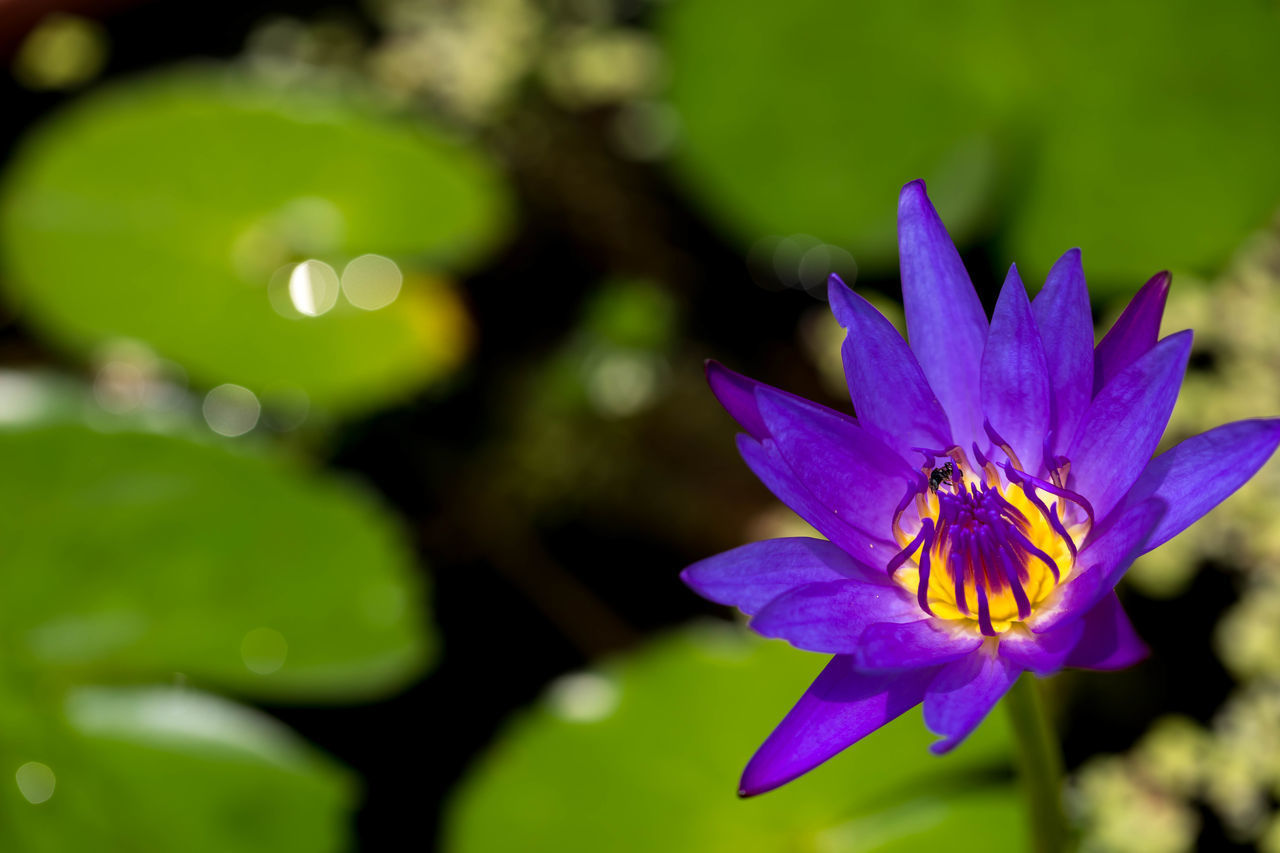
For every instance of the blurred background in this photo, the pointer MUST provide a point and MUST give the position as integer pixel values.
(353, 430)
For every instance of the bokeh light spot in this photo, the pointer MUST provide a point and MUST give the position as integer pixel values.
(264, 650)
(313, 288)
(620, 384)
(371, 282)
(35, 781)
(231, 410)
(22, 397)
(583, 697)
(62, 52)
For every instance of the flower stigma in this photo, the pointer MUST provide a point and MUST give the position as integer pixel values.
(992, 541)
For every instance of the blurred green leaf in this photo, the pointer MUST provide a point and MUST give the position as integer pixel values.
(1155, 153)
(168, 210)
(1148, 153)
(807, 116)
(134, 555)
(646, 755)
(156, 768)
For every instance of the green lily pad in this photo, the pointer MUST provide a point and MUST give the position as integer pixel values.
(134, 556)
(170, 211)
(806, 117)
(645, 755)
(162, 768)
(1148, 160)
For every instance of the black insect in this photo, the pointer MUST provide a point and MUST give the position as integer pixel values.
(939, 476)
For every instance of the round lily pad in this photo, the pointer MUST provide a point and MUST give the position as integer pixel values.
(1048, 126)
(645, 754)
(143, 556)
(163, 768)
(173, 210)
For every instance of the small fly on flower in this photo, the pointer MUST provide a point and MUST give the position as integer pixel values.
(940, 476)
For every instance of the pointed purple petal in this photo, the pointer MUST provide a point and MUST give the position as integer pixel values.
(845, 467)
(1045, 653)
(767, 463)
(1099, 566)
(830, 617)
(1133, 334)
(890, 394)
(945, 321)
(841, 707)
(737, 393)
(890, 646)
(1108, 640)
(963, 693)
(1201, 472)
(1066, 326)
(1123, 425)
(751, 576)
(1015, 375)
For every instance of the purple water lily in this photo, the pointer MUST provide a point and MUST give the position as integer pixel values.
(995, 484)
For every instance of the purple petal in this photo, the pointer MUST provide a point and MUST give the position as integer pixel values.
(963, 693)
(767, 463)
(737, 393)
(1124, 423)
(1099, 566)
(1015, 375)
(841, 707)
(1133, 334)
(1201, 472)
(1066, 327)
(845, 467)
(751, 576)
(889, 392)
(1108, 640)
(945, 321)
(1044, 653)
(830, 617)
(899, 646)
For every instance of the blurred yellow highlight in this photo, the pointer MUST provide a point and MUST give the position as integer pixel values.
(439, 320)
(62, 52)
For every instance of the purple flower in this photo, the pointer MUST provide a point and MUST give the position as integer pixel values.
(997, 482)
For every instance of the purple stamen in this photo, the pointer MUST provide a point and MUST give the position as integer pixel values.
(984, 612)
(1002, 444)
(930, 456)
(1014, 571)
(1018, 477)
(982, 536)
(1034, 551)
(901, 556)
(1051, 513)
(958, 566)
(1060, 530)
(979, 456)
(913, 492)
(922, 591)
(1045, 453)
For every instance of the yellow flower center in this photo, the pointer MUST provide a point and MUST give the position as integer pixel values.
(988, 549)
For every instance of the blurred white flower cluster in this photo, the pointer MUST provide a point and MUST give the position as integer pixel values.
(1146, 801)
(468, 59)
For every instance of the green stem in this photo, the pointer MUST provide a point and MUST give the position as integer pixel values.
(1040, 766)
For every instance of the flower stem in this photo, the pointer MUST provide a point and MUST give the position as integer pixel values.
(1039, 764)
